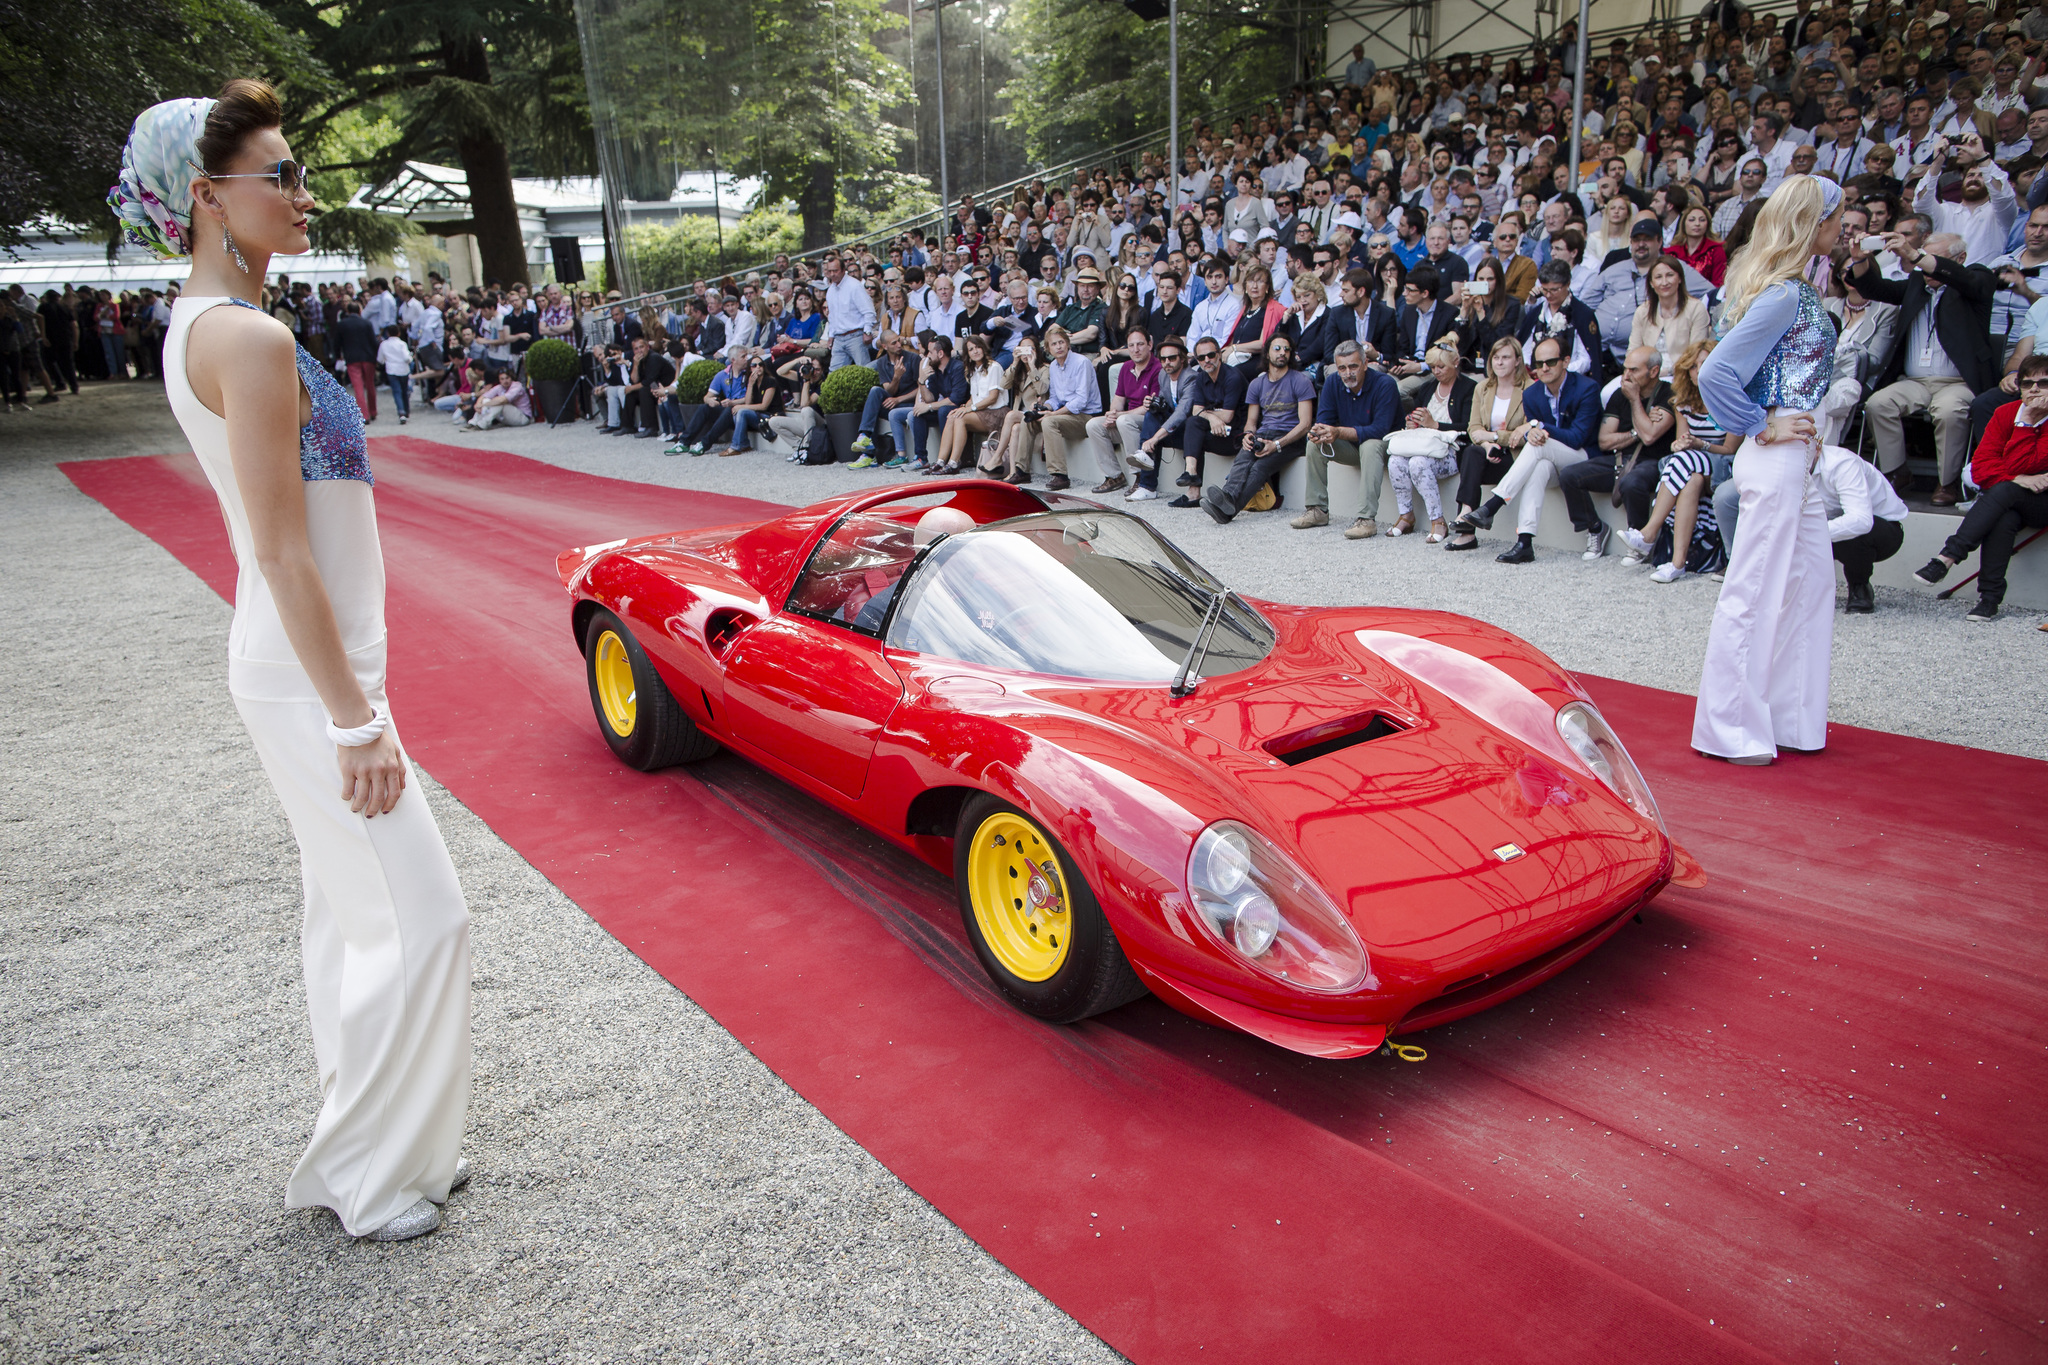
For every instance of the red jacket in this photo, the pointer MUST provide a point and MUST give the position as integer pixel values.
(2007, 451)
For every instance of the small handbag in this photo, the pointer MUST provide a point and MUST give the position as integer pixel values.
(1425, 441)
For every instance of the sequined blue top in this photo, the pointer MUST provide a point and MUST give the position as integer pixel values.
(1779, 354)
(333, 445)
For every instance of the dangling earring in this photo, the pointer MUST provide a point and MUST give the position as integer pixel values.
(227, 243)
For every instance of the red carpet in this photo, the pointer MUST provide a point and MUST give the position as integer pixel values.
(1797, 1115)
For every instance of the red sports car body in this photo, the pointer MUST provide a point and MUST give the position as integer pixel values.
(1364, 822)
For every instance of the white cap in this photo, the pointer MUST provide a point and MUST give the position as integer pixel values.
(1267, 235)
(1350, 220)
(1240, 236)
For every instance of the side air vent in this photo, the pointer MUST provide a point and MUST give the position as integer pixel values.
(1329, 737)
(723, 627)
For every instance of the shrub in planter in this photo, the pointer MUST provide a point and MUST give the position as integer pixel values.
(551, 358)
(695, 381)
(846, 388)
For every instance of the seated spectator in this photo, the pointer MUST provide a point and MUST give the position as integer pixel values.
(1697, 246)
(1356, 410)
(1497, 430)
(1618, 290)
(1563, 408)
(1026, 383)
(1257, 319)
(714, 420)
(1163, 420)
(796, 413)
(1553, 312)
(1421, 322)
(1681, 531)
(1446, 409)
(941, 387)
(1280, 409)
(982, 413)
(2010, 465)
(1311, 325)
(896, 387)
(503, 403)
(1114, 434)
(1670, 319)
(760, 399)
(1215, 416)
(1487, 312)
(1940, 375)
(1072, 397)
(1082, 319)
(1863, 338)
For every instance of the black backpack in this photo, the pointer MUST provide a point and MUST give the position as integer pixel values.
(818, 446)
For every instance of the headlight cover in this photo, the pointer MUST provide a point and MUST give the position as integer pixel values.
(1262, 907)
(1585, 733)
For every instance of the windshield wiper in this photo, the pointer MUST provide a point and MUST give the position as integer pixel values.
(1198, 648)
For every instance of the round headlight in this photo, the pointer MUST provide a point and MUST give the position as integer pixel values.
(1255, 924)
(1255, 902)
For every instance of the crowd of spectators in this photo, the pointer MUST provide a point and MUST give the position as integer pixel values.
(1397, 270)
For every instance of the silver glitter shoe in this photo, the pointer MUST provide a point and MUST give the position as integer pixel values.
(419, 1220)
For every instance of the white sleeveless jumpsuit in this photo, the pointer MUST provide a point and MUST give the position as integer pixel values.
(386, 934)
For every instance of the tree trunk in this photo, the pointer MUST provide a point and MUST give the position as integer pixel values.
(818, 203)
(488, 167)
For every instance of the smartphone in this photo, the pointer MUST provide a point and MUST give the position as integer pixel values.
(1872, 244)
(1479, 289)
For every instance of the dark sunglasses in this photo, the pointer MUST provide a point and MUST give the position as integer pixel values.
(2040, 382)
(1545, 364)
(290, 176)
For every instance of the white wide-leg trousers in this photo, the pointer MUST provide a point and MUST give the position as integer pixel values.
(1765, 682)
(386, 949)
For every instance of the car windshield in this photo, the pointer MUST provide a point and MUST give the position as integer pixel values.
(1079, 594)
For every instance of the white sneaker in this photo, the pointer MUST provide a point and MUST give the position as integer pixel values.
(1636, 542)
(1136, 458)
(1596, 543)
(1140, 494)
(1667, 573)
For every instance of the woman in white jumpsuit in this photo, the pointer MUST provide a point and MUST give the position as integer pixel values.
(386, 934)
(1765, 683)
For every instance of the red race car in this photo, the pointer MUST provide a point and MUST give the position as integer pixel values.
(1321, 826)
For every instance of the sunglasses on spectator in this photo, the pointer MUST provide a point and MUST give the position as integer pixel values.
(290, 176)
(1204, 357)
(1545, 364)
(2038, 382)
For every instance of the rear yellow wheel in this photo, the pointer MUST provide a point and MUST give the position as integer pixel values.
(612, 669)
(1019, 895)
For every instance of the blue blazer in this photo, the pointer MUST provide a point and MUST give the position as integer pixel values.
(1578, 425)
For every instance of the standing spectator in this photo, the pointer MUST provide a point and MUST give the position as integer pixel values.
(396, 358)
(1984, 217)
(113, 335)
(850, 326)
(356, 342)
(380, 307)
(60, 340)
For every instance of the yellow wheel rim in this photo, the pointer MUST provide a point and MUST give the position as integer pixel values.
(1019, 896)
(613, 668)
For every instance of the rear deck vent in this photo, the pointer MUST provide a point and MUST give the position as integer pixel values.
(1329, 737)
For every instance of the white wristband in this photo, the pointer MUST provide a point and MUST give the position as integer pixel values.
(362, 734)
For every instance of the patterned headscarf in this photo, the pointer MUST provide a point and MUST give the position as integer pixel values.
(153, 198)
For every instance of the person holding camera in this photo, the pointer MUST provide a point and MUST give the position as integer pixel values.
(791, 422)
(1026, 381)
(1280, 409)
(1985, 216)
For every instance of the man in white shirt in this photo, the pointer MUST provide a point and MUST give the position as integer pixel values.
(380, 310)
(942, 312)
(1214, 315)
(1984, 219)
(1768, 144)
(850, 315)
(1749, 186)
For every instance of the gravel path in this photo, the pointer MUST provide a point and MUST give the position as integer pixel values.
(1914, 668)
(646, 1189)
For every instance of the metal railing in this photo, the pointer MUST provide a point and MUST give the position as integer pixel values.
(1140, 143)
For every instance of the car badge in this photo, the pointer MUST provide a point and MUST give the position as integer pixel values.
(1507, 853)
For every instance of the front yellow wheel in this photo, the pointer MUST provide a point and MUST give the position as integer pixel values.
(1019, 896)
(612, 670)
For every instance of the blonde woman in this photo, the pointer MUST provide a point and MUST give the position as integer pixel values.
(1446, 410)
(1027, 384)
(1671, 319)
(1497, 429)
(1765, 683)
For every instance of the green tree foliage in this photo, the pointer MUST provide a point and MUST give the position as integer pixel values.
(1091, 74)
(472, 82)
(74, 75)
(671, 255)
(791, 91)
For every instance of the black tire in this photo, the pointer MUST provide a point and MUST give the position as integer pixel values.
(1095, 976)
(661, 733)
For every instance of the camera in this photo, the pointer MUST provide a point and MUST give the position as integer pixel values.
(1158, 406)
(807, 371)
